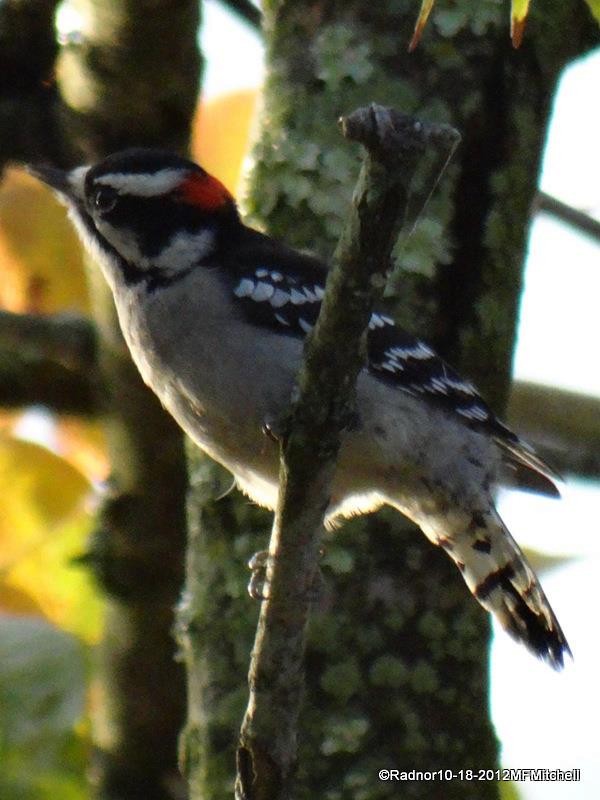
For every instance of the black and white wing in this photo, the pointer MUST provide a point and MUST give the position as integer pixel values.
(288, 300)
(410, 364)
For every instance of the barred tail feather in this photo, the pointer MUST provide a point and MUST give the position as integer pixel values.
(498, 575)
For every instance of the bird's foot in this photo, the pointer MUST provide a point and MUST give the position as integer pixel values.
(258, 587)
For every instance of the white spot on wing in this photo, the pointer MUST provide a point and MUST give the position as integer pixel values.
(306, 327)
(437, 385)
(244, 288)
(460, 386)
(297, 297)
(279, 299)
(473, 412)
(262, 291)
(419, 351)
(282, 320)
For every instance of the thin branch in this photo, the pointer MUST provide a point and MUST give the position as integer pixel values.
(246, 10)
(565, 213)
(563, 425)
(50, 361)
(395, 145)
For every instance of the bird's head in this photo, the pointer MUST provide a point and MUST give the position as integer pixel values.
(145, 211)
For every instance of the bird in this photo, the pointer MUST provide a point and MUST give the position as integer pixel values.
(215, 314)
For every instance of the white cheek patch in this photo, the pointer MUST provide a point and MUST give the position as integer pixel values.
(144, 184)
(183, 251)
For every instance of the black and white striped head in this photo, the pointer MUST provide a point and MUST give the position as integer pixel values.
(145, 212)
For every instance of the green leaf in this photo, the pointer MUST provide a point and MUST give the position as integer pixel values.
(594, 6)
(518, 17)
(42, 679)
(42, 699)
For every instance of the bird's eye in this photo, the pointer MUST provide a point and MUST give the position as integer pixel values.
(105, 199)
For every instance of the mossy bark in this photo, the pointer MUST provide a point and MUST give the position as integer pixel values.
(398, 655)
(216, 622)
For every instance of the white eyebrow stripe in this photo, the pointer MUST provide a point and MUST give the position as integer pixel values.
(144, 184)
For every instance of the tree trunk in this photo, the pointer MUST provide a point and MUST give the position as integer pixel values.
(397, 668)
(130, 79)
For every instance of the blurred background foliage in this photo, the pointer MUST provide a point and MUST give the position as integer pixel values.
(52, 471)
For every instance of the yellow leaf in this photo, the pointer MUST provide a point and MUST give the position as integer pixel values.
(65, 591)
(426, 6)
(41, 267)
(83, 444)
(43, 527)
(14, 600)
(221, 134)
(37, 483)
(518, 17)
(594, 6)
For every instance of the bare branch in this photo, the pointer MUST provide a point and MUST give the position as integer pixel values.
(565, 213)
(563, 425)
(395, 145)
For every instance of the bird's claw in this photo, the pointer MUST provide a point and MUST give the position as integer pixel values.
(258, 587)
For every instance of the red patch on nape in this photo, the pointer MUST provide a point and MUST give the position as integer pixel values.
(204, 192)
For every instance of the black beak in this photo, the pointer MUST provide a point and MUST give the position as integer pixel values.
(56, 179)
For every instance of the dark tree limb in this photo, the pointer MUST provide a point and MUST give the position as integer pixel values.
(130, 78)
(246, 11)
(68, 339)
(395, 145)
(50, 361)
(29, 103)
(565, 213)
